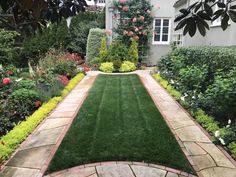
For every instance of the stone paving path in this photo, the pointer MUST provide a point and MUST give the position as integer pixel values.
(34, 155)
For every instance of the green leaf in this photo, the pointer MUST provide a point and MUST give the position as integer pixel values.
(221, 5)
(204, 15)
(181, 24)
(232, 15)
(225, 20)
(201, 28)
(193, 28)
(233, 7)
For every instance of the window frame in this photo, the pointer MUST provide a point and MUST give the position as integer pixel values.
(161, 42)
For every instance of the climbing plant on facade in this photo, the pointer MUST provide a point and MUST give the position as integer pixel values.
(134, 21)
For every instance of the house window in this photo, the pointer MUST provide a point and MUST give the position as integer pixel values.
(161, 31)
(178, 39)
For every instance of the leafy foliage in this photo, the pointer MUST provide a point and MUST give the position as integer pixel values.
(107, 67)
(103, 53)
(198, 16)
(93, 44)
(127, 66)
(133, 52)
(7, 50)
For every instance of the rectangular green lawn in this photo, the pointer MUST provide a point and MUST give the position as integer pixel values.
(119, 122)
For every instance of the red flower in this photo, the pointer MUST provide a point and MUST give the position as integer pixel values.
(122, 1)
(6, 81)
(131, 33)
(37, 104)
(64, 80)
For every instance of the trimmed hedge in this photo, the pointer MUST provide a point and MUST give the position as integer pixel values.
(11, 141)
(94, 43)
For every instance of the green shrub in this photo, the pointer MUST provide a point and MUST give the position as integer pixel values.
(232, 148)
(103, 53)
(133, 52)
(127, 66)
(93, 44)
(107, 67)
(26, 84)
(220, 97)
(22, 101)
(7, 49)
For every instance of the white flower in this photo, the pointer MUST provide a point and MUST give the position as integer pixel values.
(172, 81)
(1, 68)
(193, 97)
(18, 80)
(217, 133)
(68, 21)
(185, 94)
(182, 98)
(222, 141)
(227, 126)
(229, 121)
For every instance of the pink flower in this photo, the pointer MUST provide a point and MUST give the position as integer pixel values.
(140, 27)
(131, 33)
(141, 18)
(125, 8)
(135, 28)
(134, 19)
(108, 32)
(136, 38)
(125, 32)
(140, 33)
(6, 81)
(122, 1)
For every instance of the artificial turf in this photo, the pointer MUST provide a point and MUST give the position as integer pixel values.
(119, 122)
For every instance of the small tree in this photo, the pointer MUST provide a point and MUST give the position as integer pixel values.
(133, 52)
(103, 53)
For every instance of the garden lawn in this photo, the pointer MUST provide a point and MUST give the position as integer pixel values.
(119, 122)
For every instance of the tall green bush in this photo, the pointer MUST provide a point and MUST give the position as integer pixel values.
(7, 49)
(93, 44)
(103, 53)
(133, 52)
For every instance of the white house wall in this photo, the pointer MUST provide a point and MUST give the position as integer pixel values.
(166, 10)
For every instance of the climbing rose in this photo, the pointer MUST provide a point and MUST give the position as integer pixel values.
(125, 8)
(125, 32)
(136, 38)
(6, 81)
(131, 33)
(134, 19)
(141, 18)
(135, 28)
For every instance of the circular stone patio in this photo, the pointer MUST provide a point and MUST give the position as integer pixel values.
(120, 169)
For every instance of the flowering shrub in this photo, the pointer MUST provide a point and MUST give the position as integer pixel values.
(135, 22)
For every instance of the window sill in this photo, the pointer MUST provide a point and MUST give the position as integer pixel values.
(160, 43)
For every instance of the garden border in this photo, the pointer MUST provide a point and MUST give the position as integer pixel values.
(64, 93)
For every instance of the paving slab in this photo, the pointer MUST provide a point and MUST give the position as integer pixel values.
(194, 149)
(54, 123)
(219, 172)
(116, 170)
(170, 174)
(19, 172)
(203, 161)
(216, 154)
(43, 138)
(64, 114)
(192, 133)
(31, 158)
(142, 171)
(85, 172)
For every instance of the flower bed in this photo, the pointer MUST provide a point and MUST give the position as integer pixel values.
(181, 75)
(11, 140)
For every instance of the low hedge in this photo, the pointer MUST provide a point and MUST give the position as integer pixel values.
(11, 141)
(201, 117)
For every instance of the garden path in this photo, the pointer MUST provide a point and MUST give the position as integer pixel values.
(34, 155)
